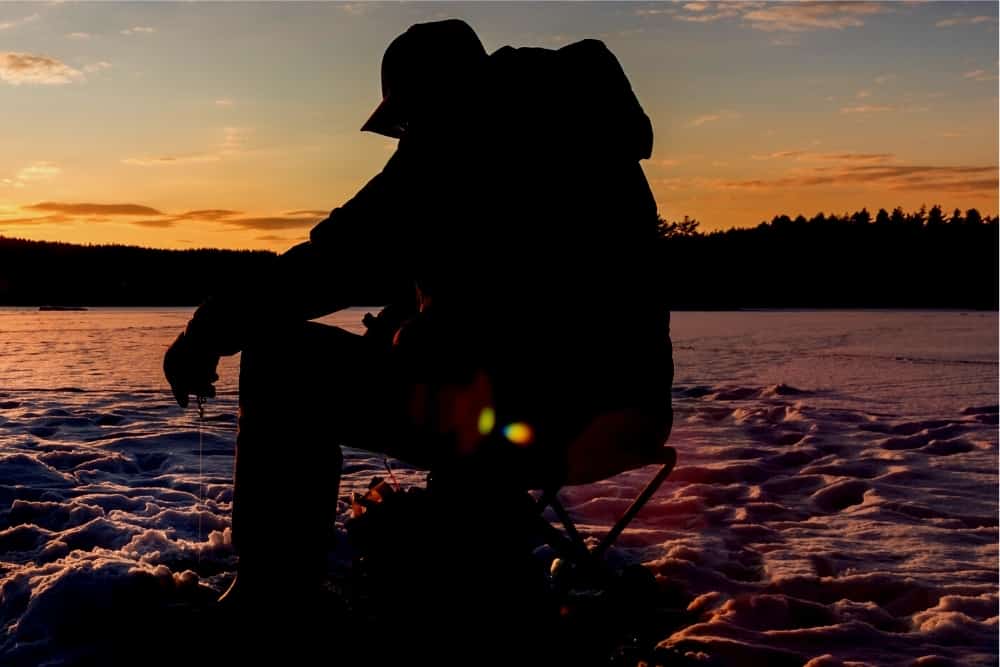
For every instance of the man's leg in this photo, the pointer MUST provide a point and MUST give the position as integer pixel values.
(303, 392)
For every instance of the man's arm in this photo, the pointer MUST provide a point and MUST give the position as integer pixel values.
(353, 257)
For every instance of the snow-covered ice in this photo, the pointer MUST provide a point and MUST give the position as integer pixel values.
(834, 502)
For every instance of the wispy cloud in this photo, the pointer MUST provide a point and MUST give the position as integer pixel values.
(312, 212)
(39, 171)
(698, 121)
(7, 25)
(867, 108)
(355, 8)
(883, 79)
(233, 140)
(223, 102)
(782, 16)
(208, 214)
(777, 155)
(28, 68)
(35, 172)
(153, 218)
(138, 30)
(35, 220)
(78, 35)
(801, 155)
(926, 178)
(97, 67)
(792, 40)
(274, 222)
(655, 11)
(979, 75)
(965, 20)
(703, 12)
(171, 160)
(92, 209)
(805, 16)
(857, 157)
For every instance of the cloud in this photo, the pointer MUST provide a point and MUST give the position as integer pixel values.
(97, 67)
(311, 212)
(867, 108)
(882, 108)
(208, 214)
(171, 159)
(805, 16)
(272, 237)
(965, 20)
(139, 29)
(233, 140)
(779, 154)
(800, 155)
(149, 217)
(7, 25)
(711, 118)
(715, 12)
(857, 157)
(861, 94)
(39, 171)
(354, 8)
(775, 17)
(926, 178)
(78, 35)
(655, 11)
(158, 223)
(223, 102)
(27, 68)
(37, 220)
(35, 172)
(93, 209)
(272, 223)
(979, 75)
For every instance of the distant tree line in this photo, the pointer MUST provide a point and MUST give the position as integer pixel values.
(897, 259)
(918, 259)
(34, 273)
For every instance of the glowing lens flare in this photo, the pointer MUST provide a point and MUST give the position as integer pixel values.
(519, 433)
(487, 420)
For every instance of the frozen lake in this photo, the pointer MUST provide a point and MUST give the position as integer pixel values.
(835, 494)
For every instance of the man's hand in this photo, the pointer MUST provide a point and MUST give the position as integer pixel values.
(190, 370)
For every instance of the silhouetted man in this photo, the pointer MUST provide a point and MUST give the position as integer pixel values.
(513, 234)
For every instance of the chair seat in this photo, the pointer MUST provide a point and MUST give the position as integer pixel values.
(615, 442)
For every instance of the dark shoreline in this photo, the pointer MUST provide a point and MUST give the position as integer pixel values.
(780, 265)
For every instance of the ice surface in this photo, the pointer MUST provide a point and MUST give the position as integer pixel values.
(834, 503)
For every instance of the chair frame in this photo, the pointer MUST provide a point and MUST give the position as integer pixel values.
(570, 545)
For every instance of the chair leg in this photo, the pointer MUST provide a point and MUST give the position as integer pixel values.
(575, 540)
(647, 493)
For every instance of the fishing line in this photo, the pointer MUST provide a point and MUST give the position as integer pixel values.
(201, 469)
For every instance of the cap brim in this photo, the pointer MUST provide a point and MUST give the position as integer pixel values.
(384, 120)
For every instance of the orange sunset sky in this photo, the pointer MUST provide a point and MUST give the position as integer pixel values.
(236, 125)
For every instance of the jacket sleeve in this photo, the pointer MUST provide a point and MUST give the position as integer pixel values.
(353, 257)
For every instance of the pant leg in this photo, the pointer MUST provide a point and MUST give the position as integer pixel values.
(303, 392)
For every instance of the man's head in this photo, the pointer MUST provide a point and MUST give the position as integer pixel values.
(423, 72)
